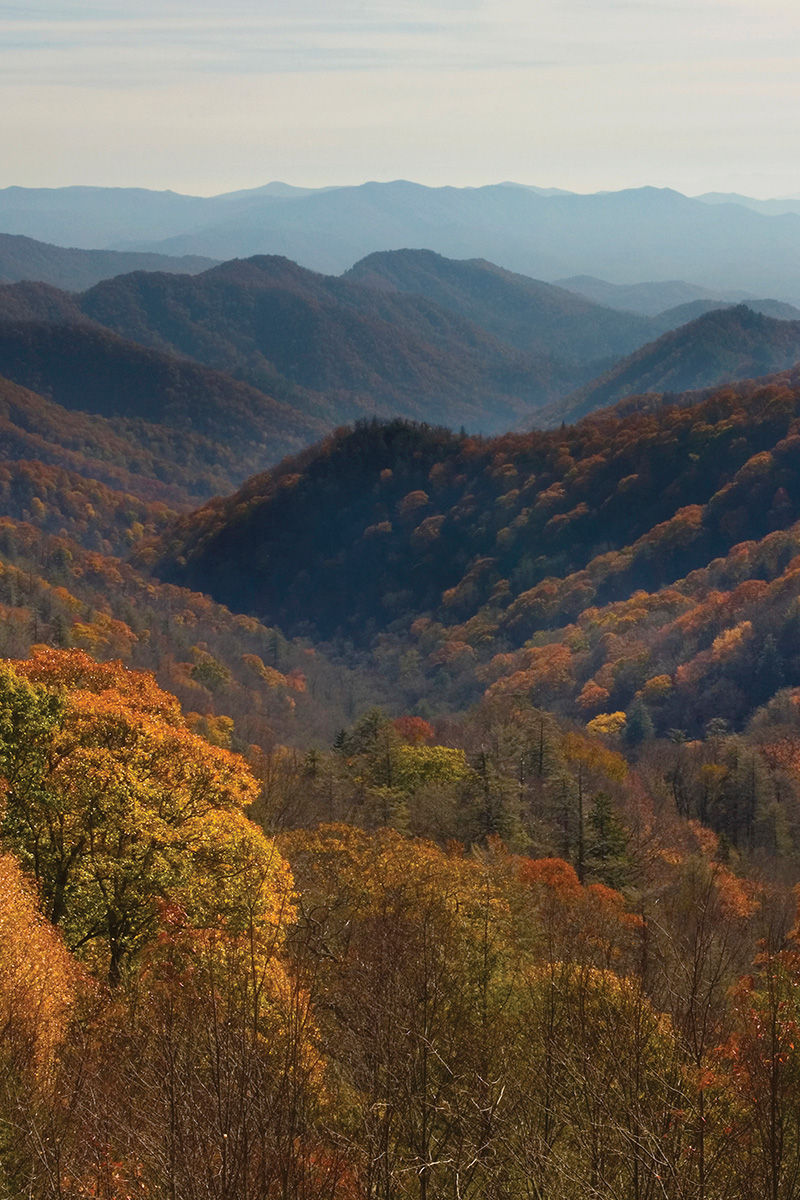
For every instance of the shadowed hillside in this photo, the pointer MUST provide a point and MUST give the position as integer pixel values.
(718, 347)
(85, 368)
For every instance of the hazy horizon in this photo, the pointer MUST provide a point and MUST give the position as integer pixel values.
(303, 185)
(585, 96)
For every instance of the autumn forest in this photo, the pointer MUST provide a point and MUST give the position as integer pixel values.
(399, 737)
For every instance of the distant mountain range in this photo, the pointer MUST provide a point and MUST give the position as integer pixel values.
(631, 236)
(648, 299)
(770, 208)
(258, 357)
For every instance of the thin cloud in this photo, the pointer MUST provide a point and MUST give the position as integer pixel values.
(577, 93)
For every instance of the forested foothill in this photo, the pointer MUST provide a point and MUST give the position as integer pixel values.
(421, 819)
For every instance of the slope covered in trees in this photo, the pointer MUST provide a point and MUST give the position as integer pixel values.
(153, 462)
(536, 317)
(210, 425)
(242, 682)
(267, 320)
(476, 548)
(720, 346)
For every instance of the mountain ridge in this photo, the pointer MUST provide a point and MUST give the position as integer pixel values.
(630, 235)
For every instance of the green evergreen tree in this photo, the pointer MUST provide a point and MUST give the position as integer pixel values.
(607, 857)
(769, 672)
(639, 724)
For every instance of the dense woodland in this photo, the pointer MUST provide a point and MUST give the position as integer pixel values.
(197, 1006)
(648, 559)
(420, 821)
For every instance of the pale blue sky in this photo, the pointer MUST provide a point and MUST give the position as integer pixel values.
(583, 94)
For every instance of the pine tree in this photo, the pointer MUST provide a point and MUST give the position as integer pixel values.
(639, 724)
(607, 858)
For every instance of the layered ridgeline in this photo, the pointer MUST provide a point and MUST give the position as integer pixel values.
(626, 237)
(672, 318)
(329, 350)
(408, 334)
(576, 566)
(459, 343)
(571, 319)
(360, 350)
(463, 343)
(25, 258)
(647, 299)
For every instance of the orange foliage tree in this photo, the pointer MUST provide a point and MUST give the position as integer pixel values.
(113, 805)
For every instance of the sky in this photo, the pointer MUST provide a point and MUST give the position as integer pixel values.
(587, 95)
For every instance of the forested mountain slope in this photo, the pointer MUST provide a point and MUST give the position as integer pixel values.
(718, 347)
(174, 408)
(359, 349)
(32, 301)
(536, 317)
(150, 461)
(243, 681)
(479, 546)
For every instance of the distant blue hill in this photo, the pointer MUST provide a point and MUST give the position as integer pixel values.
(627, 237)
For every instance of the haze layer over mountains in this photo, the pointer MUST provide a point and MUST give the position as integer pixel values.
(386, 300)
(252, 359)
(634, 236)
